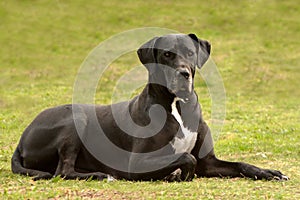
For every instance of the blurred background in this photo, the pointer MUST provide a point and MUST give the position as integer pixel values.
(255, 44)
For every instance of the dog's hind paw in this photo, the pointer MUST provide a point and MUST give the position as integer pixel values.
(110, 178)
(44, 175)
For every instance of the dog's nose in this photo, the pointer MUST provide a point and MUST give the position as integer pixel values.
(183, 72)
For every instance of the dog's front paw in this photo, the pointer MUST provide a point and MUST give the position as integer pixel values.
(269, 174)
(174, 176)
(257, 173)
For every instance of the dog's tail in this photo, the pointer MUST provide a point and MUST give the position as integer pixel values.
(16, 163)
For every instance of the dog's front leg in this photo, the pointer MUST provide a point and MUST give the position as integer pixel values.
(209, 166)
(159, 167)
(213, 167)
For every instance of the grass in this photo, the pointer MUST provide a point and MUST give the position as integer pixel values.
(254, 43)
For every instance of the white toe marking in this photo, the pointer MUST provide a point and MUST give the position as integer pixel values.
(187, 142)
(285, 177)
(176, 172)
(110, 178)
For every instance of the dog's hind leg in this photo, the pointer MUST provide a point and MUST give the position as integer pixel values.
(17, 168)
(66, 165)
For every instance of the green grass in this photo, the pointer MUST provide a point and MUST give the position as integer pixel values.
(255, 45)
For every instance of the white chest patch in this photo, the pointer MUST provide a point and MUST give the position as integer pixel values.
(187, 142)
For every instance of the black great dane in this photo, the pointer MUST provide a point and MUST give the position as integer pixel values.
(165, 137)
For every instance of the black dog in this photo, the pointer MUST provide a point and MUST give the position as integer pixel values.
(158, 135)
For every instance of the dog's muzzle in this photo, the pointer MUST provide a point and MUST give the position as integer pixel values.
(181, 85)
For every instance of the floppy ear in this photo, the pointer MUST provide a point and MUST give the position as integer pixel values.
(146, 52)
(203, 48)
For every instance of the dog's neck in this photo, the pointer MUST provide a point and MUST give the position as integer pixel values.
(161, 95)
(156, 94)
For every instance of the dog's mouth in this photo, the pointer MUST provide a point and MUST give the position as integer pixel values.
(183, 95)
(182, 91)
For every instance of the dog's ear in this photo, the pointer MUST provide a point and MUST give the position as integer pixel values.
(147, 55)
(203, 48)
(146, 52)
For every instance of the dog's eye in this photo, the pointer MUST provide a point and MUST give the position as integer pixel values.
(190, 53)
(167, 54)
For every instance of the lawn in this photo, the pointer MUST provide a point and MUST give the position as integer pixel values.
(255, 45)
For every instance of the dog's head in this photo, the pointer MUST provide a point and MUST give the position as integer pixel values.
(172, 59)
